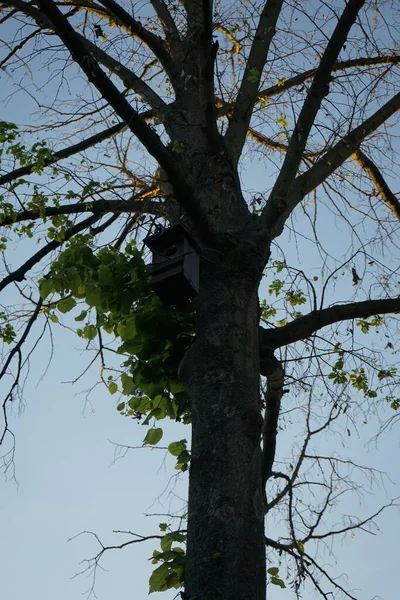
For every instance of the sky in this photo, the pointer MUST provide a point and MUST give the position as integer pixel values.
(67, 481)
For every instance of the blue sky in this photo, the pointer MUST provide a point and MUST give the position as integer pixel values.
(68, 483)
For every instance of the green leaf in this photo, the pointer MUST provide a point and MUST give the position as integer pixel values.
(182, 461)
(105, 275)
(121, 405)
(176, 386)
(127, 330)
(176, 448)
(66, 304)
(152, 389)
(89, 332)
(277, 581)
(112, 387)
(167, 540)
(274, 571)
(127, 384)
(177, 147)
(82, 316)
(275, 287)
(157, 581)
(140, 404)
(153, 436)
(45, 288)
(53, 318)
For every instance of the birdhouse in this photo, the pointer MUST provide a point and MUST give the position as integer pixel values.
(175, 265)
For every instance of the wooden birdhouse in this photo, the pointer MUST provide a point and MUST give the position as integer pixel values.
(175, 265)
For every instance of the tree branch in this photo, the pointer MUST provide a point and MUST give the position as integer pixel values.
(66, 152)
(127, 76)
(339, 66)
(97, 208)
(134, 121)
(153, 41)
(304, 327)
(19, 274)
(317, 92)
(276, 213)
(378, 180)
(16, 350)
(167, 22)
(247, 95)
(112, 10)
(275, 380)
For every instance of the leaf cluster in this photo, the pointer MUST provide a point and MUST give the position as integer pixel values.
(114, 287)
(170, 574)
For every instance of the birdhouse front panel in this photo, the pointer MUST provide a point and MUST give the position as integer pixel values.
(175, 265)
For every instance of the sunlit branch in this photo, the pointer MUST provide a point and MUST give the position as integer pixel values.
(266, 141)
(378, 180)
(229, 35)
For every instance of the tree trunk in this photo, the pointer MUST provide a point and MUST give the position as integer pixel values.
(225, 545)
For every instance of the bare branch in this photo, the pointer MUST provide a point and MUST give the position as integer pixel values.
(247, 96)
(276, 213)
(317, 92)
(127, 76)
(16, 351)
(122, 17)
(342, 65)
(167, 22)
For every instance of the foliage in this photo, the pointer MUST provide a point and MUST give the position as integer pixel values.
(152, 338)
(170, 574)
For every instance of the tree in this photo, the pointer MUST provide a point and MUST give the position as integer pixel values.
(309, 91)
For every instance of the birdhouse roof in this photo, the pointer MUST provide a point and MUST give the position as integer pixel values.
(168, 236)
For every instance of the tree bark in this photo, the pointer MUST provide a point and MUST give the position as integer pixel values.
(225, 545)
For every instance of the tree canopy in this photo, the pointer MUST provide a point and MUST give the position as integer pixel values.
(267, 132)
